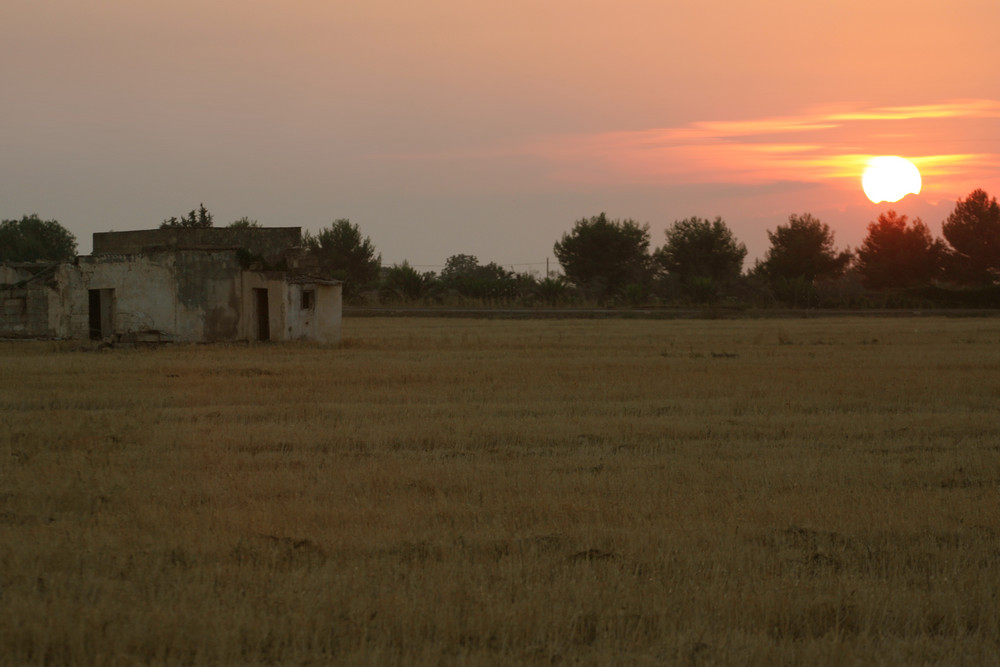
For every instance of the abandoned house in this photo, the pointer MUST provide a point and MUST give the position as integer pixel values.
(176, 285)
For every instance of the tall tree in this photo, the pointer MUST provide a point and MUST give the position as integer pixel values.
(343, 253)
(32, 239)
(973, 231)
(459, 266)
(465, 275)
(604, 256)
(803, 250)
(703, 254)
(199, 219)
(896, 253)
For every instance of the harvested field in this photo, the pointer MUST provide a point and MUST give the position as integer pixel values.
(440, 491)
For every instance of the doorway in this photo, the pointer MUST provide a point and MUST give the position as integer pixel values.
(101, 313)
(263, 314)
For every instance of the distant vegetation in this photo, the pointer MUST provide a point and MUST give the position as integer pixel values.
(609, 262)
(603, 257)
(195, 219)
(243, 223)
(32, 239)
(344, 254)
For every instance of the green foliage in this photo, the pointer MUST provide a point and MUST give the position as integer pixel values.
(200, 219)
(243, 223)
(704, 255)
(33, 239)
(404, 283)
(457, 267)
(803, 251)
(252, 260)
(634, 294)
(602, 256)
(802, 255)
(973, 231)
(702, 288)
(896, 254)
(344, 254)
(464, 275)
(797, 292)
(552, 290)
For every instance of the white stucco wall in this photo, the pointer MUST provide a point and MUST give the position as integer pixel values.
(321, 321)
(184, 295)
(209, 306)
(188, 296)
(143, 297)
(249, 324)
(287, 319)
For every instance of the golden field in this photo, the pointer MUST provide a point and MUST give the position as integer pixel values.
(457, 491)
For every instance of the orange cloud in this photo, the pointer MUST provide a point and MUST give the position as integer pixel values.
(831, 146)
(957, 109)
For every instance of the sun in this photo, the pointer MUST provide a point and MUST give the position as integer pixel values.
(890, 178)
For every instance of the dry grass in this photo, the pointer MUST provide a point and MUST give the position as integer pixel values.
(494, 492)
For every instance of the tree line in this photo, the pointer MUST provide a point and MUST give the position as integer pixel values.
(612, 262)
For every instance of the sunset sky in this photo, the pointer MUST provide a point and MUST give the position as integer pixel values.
(488, 127)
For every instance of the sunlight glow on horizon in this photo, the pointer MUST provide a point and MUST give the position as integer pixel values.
(752, 151)
(450, 127)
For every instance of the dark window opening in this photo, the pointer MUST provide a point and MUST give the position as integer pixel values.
(94, 313)
(263, 314)
(100, 313)
(308, 299)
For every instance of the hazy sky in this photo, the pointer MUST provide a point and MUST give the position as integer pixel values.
(488, 127)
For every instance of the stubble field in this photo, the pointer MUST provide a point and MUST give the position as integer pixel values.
(452, 491)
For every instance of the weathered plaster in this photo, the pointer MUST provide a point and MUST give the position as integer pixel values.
(321, 320)
(267, 242)
(183, 294)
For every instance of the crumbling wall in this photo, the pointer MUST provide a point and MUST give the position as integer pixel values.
(289, 317)
(317, 317)
(14, 312)
(208, 295)
(267, 242)
(11, 274)
(329, 313)
(183, 295)
(26, 291)
(144, 295)
(188, 296)
(274, 284)
(25, 312)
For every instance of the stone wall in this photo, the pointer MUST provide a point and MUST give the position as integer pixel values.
(26, 292)
(179, 294)
(317, 317)
(188, 295)
(268, 242)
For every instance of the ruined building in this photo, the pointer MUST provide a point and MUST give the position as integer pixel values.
(176, 285)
